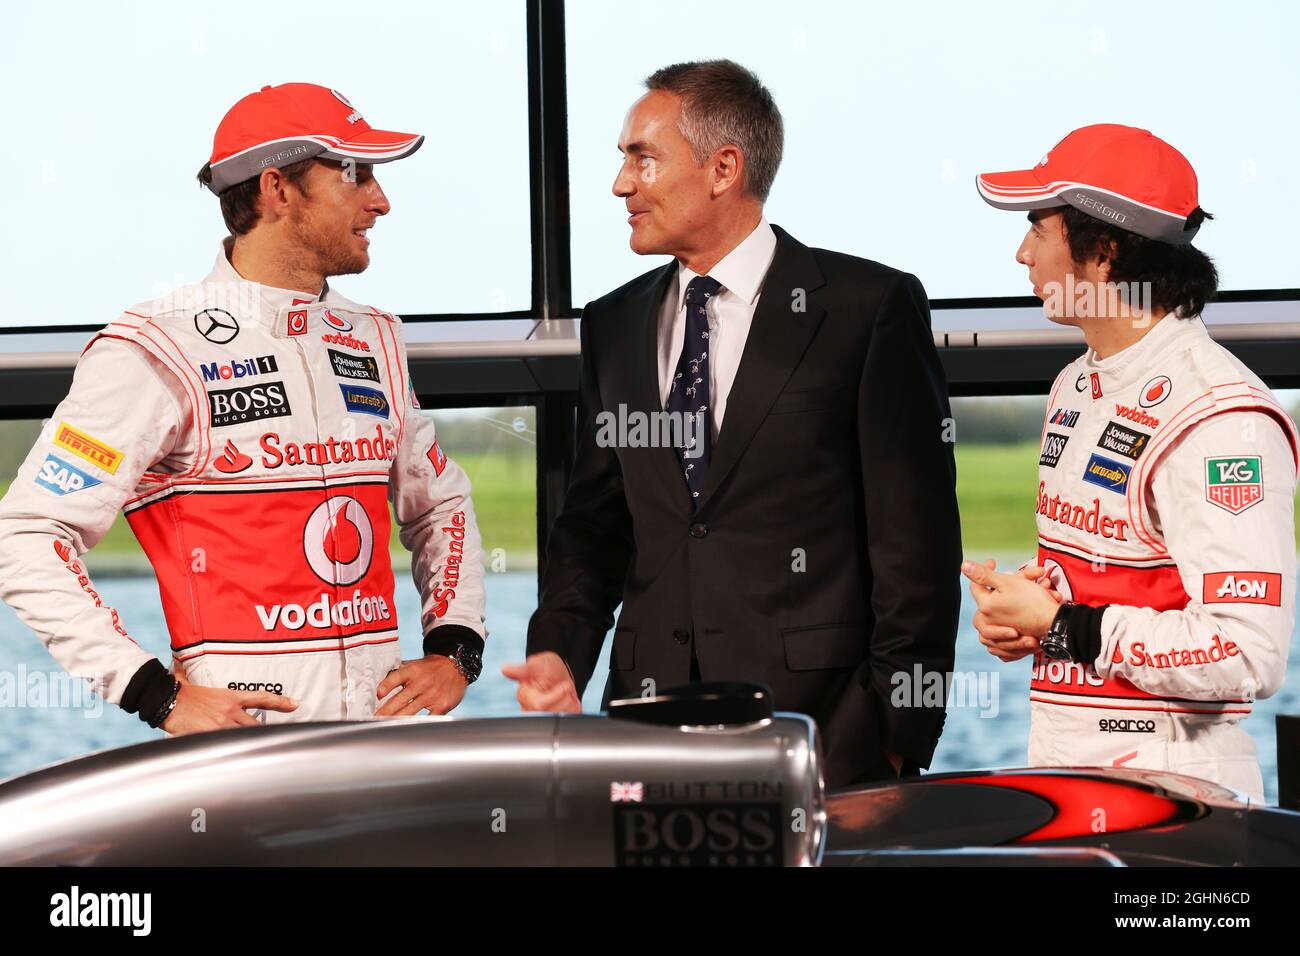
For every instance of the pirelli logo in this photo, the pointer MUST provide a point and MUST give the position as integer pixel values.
(87, 448)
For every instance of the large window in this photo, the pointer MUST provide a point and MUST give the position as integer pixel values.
(113, 109)
(892, 109)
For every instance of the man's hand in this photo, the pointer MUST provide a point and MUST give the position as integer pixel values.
(215, 708)
(545, 684)
(432, 683)
(1014, 610)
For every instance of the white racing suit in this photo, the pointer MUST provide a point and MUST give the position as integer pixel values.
(254, 438)
(1166, 488)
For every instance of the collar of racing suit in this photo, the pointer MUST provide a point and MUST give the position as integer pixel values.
(1126, 366)
(272, 306)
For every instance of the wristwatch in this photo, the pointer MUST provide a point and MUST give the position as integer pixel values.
(468, 661)
(1056, 643)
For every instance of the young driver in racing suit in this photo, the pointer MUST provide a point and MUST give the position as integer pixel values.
(254, 429)
(1166, 483)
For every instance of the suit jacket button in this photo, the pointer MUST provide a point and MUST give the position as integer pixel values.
(699, 530)
(682, 636)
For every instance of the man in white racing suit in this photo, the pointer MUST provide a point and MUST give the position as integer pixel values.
(254, 428)
(1167, 479)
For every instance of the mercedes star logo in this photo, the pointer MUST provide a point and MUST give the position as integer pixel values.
(216, 325)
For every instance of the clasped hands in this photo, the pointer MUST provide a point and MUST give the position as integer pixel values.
(1012, 610)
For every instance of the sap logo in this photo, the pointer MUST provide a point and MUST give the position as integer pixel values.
(58, 476)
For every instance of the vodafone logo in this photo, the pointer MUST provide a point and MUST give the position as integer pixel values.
(298, 322)
(339, 541)
(1155, 391)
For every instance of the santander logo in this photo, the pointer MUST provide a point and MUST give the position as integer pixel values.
(231, 461)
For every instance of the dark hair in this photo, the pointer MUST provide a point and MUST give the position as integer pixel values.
(239, 202)
(1182, 278)
(724, 104)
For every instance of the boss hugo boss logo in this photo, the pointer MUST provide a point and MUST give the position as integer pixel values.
(216, 325)
(715, 824)
(1053, 447)
(354, 366)
(250, 403)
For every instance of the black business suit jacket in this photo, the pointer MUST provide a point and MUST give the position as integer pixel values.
(822, 557)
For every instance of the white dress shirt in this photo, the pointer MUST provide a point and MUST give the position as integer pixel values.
(741, 273)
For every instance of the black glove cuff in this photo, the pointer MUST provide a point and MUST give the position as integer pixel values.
(1085, 632)
(447, 637)
(148, 689)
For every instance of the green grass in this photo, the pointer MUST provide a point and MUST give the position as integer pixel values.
(995, 496)
(995, 492)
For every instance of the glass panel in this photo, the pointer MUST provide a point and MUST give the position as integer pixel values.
(123, 114)
(892, 109)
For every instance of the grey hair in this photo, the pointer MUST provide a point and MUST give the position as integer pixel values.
(724, 104)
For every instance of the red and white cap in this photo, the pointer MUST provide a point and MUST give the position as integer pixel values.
(1118, 174)
(281, 125)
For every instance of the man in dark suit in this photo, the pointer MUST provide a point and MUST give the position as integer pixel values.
(809, 540)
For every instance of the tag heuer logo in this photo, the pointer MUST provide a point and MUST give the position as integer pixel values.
(1234, 484)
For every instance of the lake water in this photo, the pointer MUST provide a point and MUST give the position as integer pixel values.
(991, 731)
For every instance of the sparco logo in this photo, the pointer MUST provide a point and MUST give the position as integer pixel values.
(240, 685)
(251, 403)
(1125, 725)
(245, 368)
(216, 325)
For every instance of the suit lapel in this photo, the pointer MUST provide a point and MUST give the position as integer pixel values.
(778, 336)
(643, 377)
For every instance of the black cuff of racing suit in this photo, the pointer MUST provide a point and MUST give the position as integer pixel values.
(448, 637)
(1084, 628)
(148, 690)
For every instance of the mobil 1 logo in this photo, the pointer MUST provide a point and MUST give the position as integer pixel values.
(698, 823)
(1053, 448)
(249, 403)
(354, 366)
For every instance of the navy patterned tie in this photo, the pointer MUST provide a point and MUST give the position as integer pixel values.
(688, 395)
